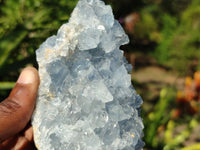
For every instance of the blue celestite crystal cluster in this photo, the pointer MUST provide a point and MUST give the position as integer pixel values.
(86, 100)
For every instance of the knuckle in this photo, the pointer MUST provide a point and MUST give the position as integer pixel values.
(9, 106)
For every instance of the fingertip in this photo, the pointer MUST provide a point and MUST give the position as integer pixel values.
(29, 75)
(25, 90)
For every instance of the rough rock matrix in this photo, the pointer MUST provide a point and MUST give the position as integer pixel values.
(86, 100)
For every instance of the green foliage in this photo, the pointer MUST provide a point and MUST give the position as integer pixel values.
(170, 30)
(173, 7)
(24, 25)
(146, 29)
(158, 117)
(169, 25)
(174, 141)
(180, 44)
(168, 138)
(6, 85)
(9, 44)
(193, 147)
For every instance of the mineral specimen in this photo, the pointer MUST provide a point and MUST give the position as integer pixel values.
(86, 100)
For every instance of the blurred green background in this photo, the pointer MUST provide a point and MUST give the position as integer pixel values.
(164, 51)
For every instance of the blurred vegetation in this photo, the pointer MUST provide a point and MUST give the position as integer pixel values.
(180, 46)
(172, 111)
(167, 31)
(24, 25)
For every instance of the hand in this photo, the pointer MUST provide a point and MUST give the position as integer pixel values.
(16, 111)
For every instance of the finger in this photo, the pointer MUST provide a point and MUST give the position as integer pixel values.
(28, 133)
(22, 141)
(24, 144)
(16, 110)
(18, 143)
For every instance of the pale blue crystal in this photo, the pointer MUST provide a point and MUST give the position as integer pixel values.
(86, 100)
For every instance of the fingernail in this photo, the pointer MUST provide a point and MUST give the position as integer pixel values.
(27, 76)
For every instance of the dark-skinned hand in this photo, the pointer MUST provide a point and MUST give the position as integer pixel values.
(15, 113)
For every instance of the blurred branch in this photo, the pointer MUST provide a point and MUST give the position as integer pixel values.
(193, 147)
(157, 118)
(9, 43)
(6, 85)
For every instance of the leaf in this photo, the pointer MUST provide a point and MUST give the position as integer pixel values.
(6, 85)
(9, 43)
(193, 147)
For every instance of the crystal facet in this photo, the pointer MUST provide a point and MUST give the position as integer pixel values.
(86, 100)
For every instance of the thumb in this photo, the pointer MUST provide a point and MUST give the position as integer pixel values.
(17, 109)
